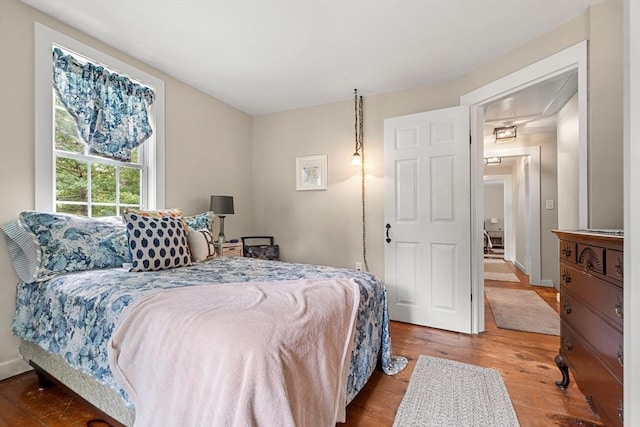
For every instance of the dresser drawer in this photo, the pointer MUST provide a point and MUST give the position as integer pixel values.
(615, 265)
(568, 251)
(604, 297)
(604, 338)
(591, 258)
(593, 379)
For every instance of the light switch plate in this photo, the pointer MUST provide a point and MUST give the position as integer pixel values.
(549, 204)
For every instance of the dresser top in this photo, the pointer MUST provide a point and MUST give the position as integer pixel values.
(592, 234)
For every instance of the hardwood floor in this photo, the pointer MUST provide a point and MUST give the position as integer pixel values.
(524, 359)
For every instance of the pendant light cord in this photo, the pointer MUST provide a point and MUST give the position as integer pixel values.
(359, 130)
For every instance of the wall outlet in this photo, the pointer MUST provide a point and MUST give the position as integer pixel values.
(359, 266)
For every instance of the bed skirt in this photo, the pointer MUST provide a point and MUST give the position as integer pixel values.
(88, 388)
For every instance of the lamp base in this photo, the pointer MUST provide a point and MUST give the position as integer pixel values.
(221, 237)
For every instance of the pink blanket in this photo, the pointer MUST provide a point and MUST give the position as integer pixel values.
(241, 354)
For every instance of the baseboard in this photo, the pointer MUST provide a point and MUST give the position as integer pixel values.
(520, 266)
(546, 283)
(13, 368)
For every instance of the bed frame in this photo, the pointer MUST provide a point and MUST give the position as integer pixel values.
(52, 368)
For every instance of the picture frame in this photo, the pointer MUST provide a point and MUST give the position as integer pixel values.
(311, 172)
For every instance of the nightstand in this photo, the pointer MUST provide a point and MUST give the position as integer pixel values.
(228, 249)
(497, 238)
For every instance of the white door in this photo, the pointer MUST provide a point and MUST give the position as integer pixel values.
(428, 218)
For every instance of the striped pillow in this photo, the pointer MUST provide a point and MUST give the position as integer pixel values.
(23, 251)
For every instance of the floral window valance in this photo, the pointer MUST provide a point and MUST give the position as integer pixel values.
(110, 110)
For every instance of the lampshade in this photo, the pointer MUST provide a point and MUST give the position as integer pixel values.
(221, 205)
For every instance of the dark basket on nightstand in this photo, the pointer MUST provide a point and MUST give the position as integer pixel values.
(262, 251)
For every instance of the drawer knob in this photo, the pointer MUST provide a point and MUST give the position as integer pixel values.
(621, 355)
(619, 268)
(618, 309)
(588, 267)
(566, 277)
(566, 251)
(567, 307)
(567, 343)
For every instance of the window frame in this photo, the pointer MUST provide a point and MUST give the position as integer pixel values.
(152, 155)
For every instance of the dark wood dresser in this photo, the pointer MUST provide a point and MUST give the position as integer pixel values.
(591, 310)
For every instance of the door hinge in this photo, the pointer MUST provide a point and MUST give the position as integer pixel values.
(471, 297)
(469, 139)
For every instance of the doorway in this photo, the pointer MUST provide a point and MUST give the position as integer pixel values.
(573, 58)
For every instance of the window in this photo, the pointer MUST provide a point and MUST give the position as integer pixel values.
(91, 185)
(70, 178)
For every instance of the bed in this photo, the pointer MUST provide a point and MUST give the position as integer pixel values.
(66, 321)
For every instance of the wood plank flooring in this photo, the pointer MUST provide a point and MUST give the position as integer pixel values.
(524, 359)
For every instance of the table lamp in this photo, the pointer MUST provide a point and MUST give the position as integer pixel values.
(221, 206)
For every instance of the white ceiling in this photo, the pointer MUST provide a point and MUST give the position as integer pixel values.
(533, 109)
(268, 56)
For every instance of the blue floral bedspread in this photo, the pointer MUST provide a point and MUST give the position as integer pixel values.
(74, 315)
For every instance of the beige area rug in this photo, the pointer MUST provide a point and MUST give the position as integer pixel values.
(522, 310)
(491, 255)
(443, 392)
(497, 269)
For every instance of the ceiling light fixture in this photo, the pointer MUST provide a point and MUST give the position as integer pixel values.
(505, 133)
(492, 161)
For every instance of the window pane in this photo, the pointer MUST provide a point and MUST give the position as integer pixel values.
(72, 209)
(134, 154)
(67, 138)
(103, 183)
(130, 186)
(71, 180)
(98, 211)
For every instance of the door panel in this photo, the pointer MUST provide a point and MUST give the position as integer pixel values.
(427, 196)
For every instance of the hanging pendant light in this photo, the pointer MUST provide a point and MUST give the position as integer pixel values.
(356, 160)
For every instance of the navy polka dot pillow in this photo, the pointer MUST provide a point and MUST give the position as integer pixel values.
(156, 243)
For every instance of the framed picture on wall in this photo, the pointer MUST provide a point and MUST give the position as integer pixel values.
(311, 172)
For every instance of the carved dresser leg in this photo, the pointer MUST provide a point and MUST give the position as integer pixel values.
(564, 369)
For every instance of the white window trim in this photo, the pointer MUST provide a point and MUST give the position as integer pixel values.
(45, 186)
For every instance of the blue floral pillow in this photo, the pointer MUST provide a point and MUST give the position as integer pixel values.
(203, 221)
(54, 243)
(157, 243)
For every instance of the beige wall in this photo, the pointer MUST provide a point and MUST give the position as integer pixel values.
(208, 145)
(605, 115)
(493, 205)
(568, 174)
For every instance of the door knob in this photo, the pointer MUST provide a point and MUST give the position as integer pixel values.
(388, 226)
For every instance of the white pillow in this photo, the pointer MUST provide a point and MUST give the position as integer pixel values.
(201, 245)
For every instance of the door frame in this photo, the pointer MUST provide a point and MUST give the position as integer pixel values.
(507, 212)
(571, 58)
